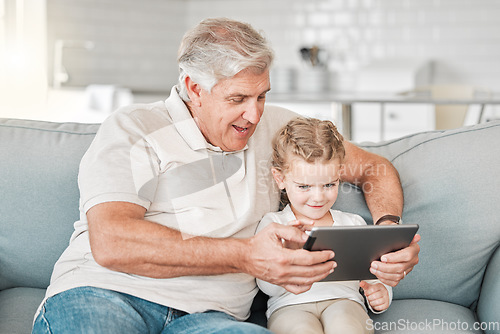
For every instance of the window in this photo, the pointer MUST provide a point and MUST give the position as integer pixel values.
(23, 82)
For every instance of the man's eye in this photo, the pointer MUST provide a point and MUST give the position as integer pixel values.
(239, 100)
(262, 97)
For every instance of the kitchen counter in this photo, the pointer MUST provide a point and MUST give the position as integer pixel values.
(345, 101)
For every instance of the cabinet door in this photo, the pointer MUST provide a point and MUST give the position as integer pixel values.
(402, 119)
(366, 122)
(377, 121)
(321, 110)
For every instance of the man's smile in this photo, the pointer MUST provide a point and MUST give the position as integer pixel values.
(240, 129)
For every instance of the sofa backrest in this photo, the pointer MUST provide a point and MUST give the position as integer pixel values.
(451, 188)
(450, 181)
(38, 196)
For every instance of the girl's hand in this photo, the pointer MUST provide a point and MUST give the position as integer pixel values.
(376, 295)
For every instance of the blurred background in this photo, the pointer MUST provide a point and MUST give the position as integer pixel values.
(78, 60)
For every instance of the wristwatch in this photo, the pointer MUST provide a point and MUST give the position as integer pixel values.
(392, 218)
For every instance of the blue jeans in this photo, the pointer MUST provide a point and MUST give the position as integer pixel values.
(90, 310)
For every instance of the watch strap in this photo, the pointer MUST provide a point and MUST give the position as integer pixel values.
(392, 218)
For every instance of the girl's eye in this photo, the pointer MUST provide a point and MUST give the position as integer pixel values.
(304, 187)
(330, 185)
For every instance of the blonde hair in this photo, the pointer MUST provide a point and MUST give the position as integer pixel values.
(308, 138)
(219, 48)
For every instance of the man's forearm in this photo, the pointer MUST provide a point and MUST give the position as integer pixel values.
(123, 241)
(188, 258)
(382, 189)
(378, 179)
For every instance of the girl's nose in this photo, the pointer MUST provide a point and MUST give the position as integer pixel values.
(317, 195)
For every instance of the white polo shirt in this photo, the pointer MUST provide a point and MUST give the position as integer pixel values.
(155, 156)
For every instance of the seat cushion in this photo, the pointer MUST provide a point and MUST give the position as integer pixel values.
(17, 309)
(425, 316)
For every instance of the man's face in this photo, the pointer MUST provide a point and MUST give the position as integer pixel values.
(228, 115)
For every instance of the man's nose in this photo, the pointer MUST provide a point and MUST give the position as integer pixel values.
(253, 112)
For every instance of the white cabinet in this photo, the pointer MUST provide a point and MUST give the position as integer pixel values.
(382, 121)
(322, 110)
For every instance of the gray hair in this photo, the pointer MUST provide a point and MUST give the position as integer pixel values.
(218, 49)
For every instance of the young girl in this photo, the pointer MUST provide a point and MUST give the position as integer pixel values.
(306, 165)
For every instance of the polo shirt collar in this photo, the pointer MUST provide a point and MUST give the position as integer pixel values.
(186, 126)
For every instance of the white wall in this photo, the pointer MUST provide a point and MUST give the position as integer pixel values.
(461, 36)
(135, 42)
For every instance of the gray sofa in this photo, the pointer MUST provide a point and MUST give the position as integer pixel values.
(451, 183)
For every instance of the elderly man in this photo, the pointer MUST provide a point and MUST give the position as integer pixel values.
(171, 194)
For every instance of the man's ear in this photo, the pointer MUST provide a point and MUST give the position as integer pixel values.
(193, 91)
(278, 177)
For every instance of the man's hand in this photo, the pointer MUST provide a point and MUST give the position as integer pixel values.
(301, 226)
(393, 267)
(376, 295)
(295, 270)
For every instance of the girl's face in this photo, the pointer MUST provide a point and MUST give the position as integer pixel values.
(312, 188)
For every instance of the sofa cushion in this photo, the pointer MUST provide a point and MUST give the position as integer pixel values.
(39, 196)
(425, 316)
(450, 181)
(488, 308)
(17, 308)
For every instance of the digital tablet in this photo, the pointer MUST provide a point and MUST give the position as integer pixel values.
(356, 247)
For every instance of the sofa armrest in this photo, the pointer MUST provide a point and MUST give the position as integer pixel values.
(488, 307)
